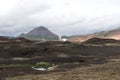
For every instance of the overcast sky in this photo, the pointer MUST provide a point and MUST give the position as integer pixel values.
(64, 17)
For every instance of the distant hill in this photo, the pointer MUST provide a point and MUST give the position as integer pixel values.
(40, 33)
(22, 35)
(101, 41)
(3, 38)
(112, 34)
(11, 39)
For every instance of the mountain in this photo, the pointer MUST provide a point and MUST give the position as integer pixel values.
(112, 34)
(40, 33)
(22, 35)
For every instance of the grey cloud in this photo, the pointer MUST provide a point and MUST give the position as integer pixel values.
(64, 17)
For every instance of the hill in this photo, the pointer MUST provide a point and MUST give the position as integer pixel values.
(101, 41)
(3, 38)
(112, 34)
(40, 33)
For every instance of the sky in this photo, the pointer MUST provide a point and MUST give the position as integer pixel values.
(63, 17)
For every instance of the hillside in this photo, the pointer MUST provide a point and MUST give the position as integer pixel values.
(101, 41)
(112, 34)
(40, 33)
(3, 38)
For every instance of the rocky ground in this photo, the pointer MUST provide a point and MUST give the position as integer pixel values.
(73, 61)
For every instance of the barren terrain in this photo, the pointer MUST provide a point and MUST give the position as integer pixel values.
(72, 61)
